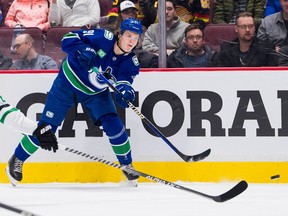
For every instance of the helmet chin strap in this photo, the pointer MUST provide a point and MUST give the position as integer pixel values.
(120, 47)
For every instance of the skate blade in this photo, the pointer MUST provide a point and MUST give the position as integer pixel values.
(13, 181)
(127, 183)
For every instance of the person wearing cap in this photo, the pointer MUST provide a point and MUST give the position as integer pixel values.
(116, 15)
(76, 82)
(175, 29)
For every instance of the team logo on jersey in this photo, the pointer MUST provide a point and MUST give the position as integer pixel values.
(108, 35)
(49, 114)
(135, 60)
(101, 53)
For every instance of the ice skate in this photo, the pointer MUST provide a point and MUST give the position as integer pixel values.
(132, 179)
(14, 170)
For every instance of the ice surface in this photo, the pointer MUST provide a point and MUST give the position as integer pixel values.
(147, 199)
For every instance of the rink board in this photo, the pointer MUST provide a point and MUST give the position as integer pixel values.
(239, 113)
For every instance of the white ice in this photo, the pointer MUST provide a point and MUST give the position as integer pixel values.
(91, 199)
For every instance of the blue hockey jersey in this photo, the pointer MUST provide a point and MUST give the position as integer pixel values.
(123, 67)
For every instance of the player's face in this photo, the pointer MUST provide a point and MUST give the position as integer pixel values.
(128, 40)
(245, 28)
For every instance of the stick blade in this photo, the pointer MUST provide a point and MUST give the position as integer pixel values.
(233, 192)
(197, 157)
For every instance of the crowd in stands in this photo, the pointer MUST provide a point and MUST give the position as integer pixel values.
(200, 33)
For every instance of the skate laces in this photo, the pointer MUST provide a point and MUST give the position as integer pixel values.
(18, 164)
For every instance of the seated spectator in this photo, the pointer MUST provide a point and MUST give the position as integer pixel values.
(175, 28)
(74, 13)
(126, 9)
(25, 13)
(5, 62)
(283, 56)
(247, 50)
(272, 6)
(194, 53)
(225, 11)
(29, 59)
(274, 27)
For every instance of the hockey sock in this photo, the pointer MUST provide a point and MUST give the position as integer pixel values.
(27, 146)
(118, 137)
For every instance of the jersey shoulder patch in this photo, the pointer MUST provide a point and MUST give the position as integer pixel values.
(135, 60)
(108, 35)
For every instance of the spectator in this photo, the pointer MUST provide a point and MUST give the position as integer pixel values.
(274, 27)
(194, 53)
(247, 50)
(33, 13)
(283, 56)
(74, 13)
(175, 28)
(126, 9)
(227, 10)
(5, 62)
(272, 6)
(29, 59)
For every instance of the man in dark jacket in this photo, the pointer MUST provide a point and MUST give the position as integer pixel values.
(5, 62)
(194, 53)
(247, 50)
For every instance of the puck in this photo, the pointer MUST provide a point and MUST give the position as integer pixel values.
(275, 177)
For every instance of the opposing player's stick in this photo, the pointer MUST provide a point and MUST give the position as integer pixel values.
(233, 192)
(187, 158)
(17, 210)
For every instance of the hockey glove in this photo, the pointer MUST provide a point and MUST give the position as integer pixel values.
(86, 58)
(126, 94)
(46, 137)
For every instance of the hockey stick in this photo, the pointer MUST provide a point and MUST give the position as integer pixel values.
(17, 210)
(233, 192)
(187, 158)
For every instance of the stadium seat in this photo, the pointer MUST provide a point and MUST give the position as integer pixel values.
(215, 34)
(6, 36)
(53, 42)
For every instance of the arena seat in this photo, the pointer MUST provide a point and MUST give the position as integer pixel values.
(53, 42)
(215, 34)
(6, 35)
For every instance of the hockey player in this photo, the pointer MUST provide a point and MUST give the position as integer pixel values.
(76, 82)
(15, 119)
